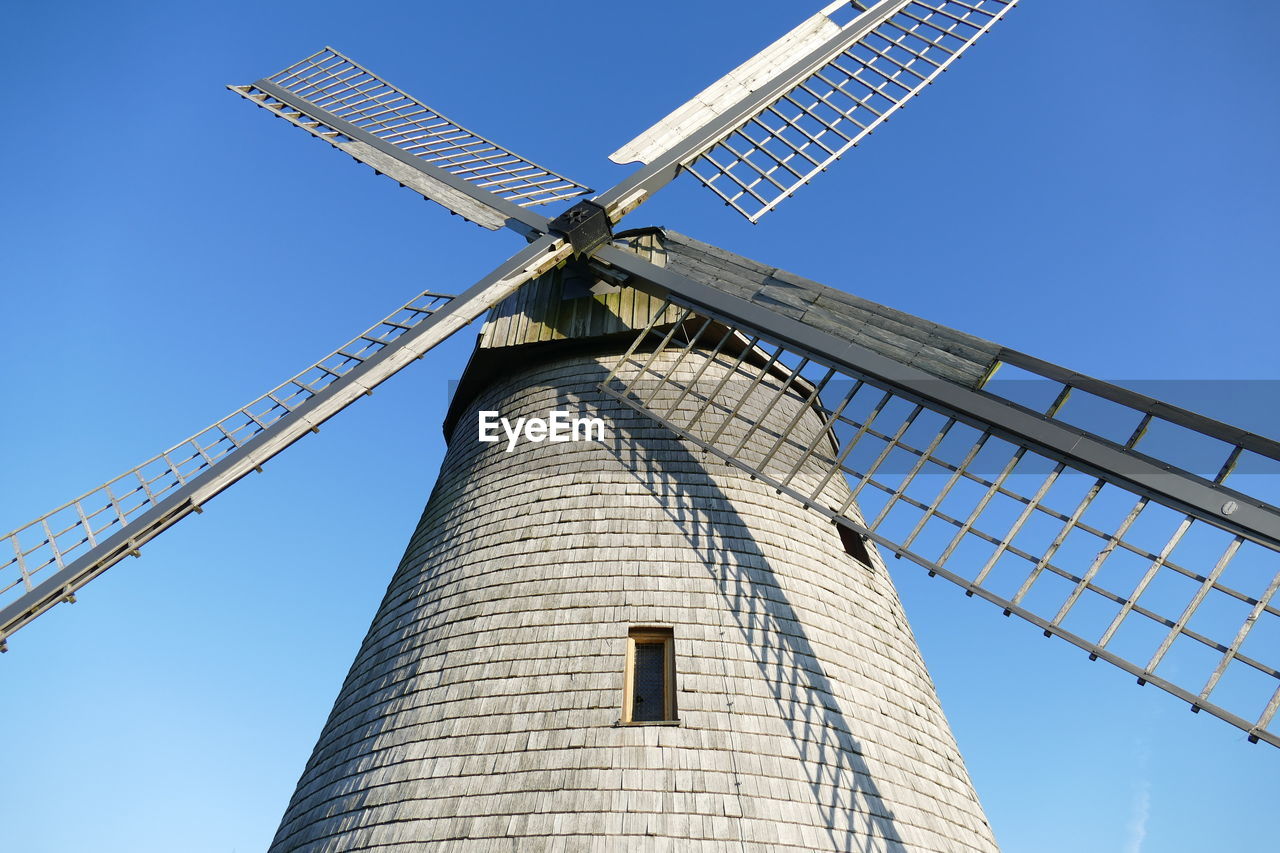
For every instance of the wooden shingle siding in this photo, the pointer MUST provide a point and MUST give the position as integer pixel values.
(539, 311)
(480, 712)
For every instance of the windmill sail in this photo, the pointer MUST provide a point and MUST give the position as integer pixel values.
(775, 122)
(1105, 538)
(52, 557)
(334, 98)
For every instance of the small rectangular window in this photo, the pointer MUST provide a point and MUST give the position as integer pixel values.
(649, 694)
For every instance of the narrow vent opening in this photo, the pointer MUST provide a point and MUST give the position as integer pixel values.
(854, 545)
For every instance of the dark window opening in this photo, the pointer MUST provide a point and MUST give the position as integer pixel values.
(648, 688)
(650, 676)
(854, 545)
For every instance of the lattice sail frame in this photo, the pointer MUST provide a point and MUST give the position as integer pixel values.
(62, 550)
(1177, 598)
(56, 538)
(838, 90)
(338, 100)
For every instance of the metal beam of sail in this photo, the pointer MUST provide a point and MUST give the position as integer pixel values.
(778, 120)
(1103, 537)
(51, 558)
(345, 104)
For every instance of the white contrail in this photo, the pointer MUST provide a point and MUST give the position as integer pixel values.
(1138, 821)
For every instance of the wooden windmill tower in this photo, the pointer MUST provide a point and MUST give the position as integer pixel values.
(738, 379)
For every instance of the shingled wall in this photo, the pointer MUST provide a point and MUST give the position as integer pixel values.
(482, 711)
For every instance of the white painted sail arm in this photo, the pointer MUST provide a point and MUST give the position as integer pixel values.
(733, 87)
(784, 117)
(47, 560)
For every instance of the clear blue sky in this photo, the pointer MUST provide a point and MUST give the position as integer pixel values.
(1096, 185)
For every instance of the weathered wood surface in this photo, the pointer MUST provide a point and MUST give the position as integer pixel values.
(943, 352)
(553, 308)
(540, 312)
